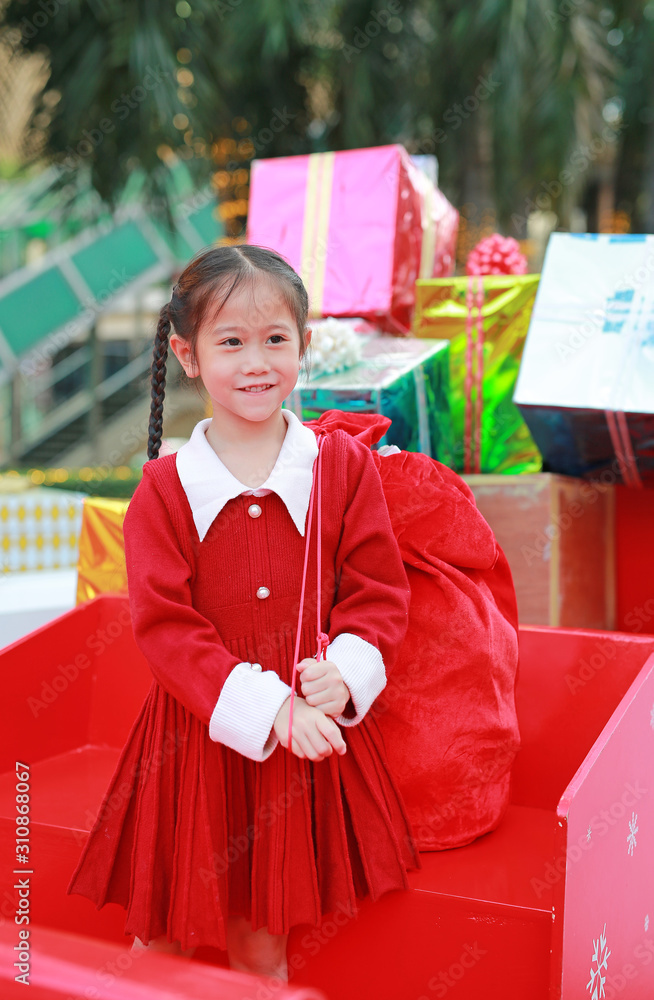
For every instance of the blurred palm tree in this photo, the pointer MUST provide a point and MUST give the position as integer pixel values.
(503, 92)
(543, 71)
(116, 97)
(630, 29)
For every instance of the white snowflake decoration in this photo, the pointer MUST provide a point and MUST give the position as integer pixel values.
(589, 833)
(647, 921)
(600, 961)
(335, 345)
(633, 830)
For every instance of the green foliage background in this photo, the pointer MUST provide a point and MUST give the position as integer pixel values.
(346, 74)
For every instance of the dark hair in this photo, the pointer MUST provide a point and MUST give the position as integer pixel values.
(208, 280)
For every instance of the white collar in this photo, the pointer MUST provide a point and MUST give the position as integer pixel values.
(209, 484)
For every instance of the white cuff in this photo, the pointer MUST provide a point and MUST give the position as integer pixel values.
(362, 668)
(246, 710)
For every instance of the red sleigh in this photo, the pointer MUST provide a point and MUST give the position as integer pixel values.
(557, 902)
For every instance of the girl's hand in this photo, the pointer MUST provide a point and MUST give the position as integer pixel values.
(322, 686)
(314, 735)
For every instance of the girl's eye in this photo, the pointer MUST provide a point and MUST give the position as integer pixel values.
(233, 341)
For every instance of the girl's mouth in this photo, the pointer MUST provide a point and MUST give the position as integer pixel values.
(256, 388)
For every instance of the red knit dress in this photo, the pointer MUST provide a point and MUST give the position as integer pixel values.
(189, 830)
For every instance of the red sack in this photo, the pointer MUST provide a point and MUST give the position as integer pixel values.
(448, 711)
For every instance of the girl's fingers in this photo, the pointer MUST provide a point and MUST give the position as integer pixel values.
(319, 744)
(314, 670)
(314, 734)
(304, 748)
(314, 698)
(332, 695)
(308, 751)
(322, 700)
(312, 687)
(312, 674)
(330, 708)
(310, 667)
(331, 732)
(323, 684)
(312, 751)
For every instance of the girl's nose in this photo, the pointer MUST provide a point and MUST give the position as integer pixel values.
(255, 362)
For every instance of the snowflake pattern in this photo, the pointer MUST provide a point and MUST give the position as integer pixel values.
(633, 830)
(647, 921)
(589, 833)
(600, 961)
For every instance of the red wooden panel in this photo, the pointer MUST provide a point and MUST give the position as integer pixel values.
(420, 945)
(47, 682)
(634, 558)
(79, 679)
(569, 683)
(470, 915)
(498, 867)
(65, 793)
(605, 942)
(66, 790)
(68, 967)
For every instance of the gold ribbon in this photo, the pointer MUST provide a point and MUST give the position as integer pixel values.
(428, 248)
(320, 176)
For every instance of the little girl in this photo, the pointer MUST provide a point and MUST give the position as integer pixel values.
(237, 811)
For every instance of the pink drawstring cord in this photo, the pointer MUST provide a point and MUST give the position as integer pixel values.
(480, 370)
(322, 638)
(467, 385)
(473, 352)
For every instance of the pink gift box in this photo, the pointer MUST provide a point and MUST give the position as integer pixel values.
(351, 224)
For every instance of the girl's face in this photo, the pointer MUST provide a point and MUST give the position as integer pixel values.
(248, 355)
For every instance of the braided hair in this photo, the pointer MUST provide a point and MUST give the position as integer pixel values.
(158, 382)
(210, 277)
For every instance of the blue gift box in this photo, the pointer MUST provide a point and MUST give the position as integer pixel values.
(586, 382)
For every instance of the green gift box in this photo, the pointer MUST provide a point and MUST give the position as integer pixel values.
(404, 378)
(505, 444)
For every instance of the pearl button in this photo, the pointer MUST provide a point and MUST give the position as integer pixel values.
(263, 592)
(256, 666)
(254, 510)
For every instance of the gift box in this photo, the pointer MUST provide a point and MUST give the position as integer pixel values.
(485, 352)
(351, 224)
(101, 563)
(403, 378)
(39, 528)
(558, 535)
(586, 386)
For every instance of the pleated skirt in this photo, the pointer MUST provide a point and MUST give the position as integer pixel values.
(190, 831)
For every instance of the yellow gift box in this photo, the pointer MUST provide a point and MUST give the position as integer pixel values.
(101, 564)
(501, 438)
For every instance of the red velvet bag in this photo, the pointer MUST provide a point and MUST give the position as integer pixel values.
(448, 711)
